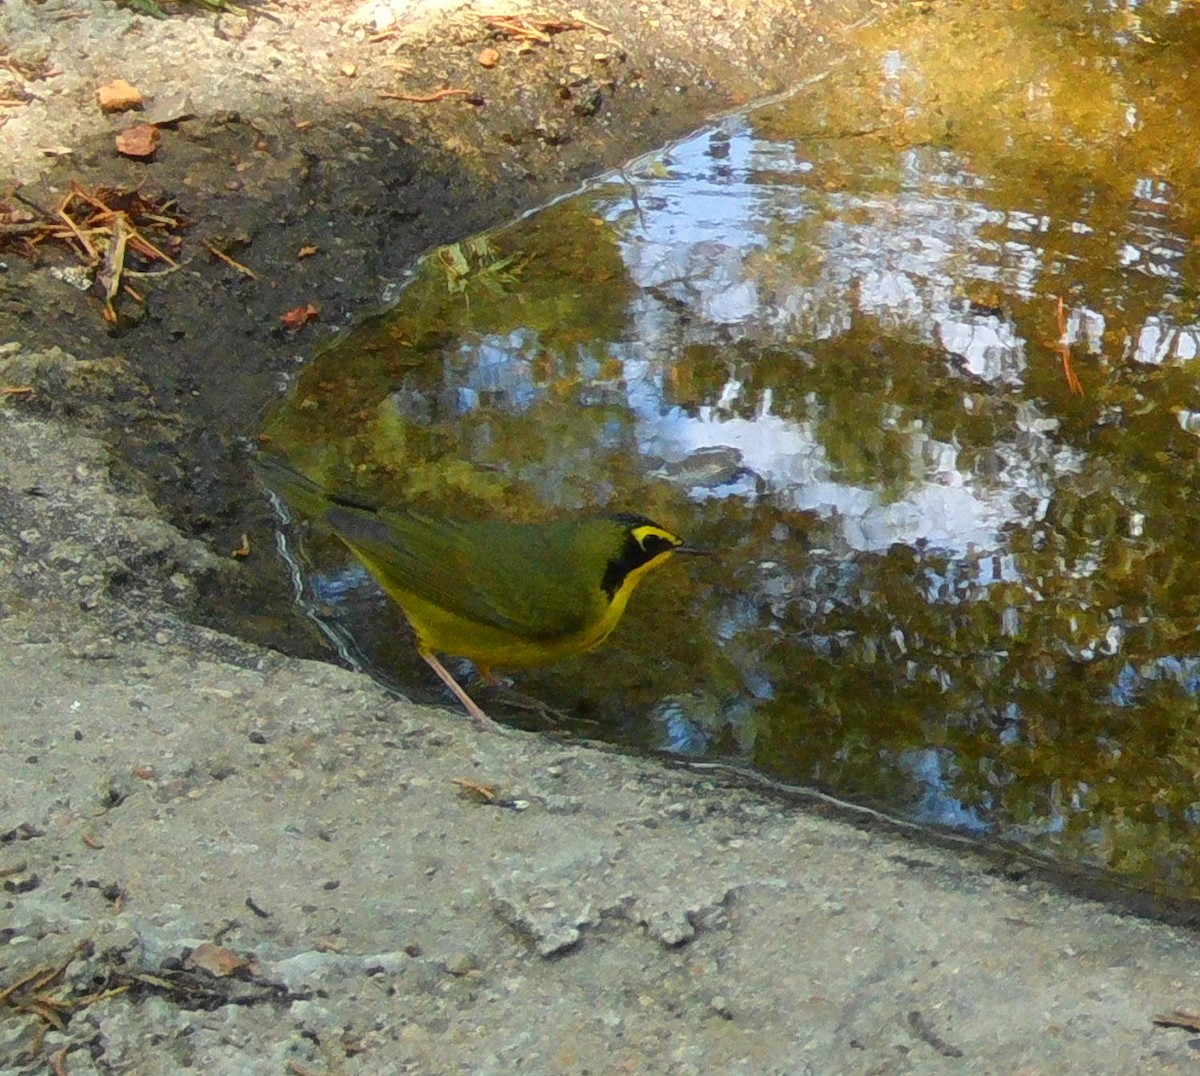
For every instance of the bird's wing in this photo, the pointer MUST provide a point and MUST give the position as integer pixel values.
(508, 576)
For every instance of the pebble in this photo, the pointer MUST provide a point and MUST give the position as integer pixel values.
(460, 964)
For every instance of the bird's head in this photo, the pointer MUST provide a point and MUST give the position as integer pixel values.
(640, 544)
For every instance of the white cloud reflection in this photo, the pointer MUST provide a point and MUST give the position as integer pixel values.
(895, 260)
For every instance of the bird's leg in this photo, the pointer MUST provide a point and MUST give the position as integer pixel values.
(482, 721)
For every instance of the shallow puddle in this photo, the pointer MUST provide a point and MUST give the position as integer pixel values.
(915, 350)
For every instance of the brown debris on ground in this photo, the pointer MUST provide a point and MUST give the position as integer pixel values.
(42, 993)
(101, 227)
(533, 28)
(118, 96)
(424, 98)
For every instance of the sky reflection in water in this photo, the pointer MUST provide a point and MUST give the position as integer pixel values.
(826, 338)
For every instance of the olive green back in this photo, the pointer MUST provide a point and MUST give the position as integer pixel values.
(536, 581)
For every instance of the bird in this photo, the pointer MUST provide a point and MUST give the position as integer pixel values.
(504, 595)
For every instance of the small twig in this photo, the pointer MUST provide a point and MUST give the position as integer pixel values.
(23, 229)
(90, 199)
(147, 274)
(157, 218)
(519, 28)
(579, 16)
(424, 99)
(147, 249)
(12, 988)
(229, 261)
(24, 200)
(1064, 351)
(103, 995)
(39, 1040)
(534, 29)
(47, 1009)
(109, 276)
(90, 250)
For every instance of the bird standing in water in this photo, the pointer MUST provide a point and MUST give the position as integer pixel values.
(504, 595)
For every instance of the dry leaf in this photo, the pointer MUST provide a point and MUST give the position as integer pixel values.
(217, 960)
(306, 252)
(1184, 1018)
(140, 141)
(118, 96)
(299, 316)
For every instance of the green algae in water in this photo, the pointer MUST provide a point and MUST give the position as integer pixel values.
(829, 338)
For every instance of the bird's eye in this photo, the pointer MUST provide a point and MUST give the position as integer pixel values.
(655, 542)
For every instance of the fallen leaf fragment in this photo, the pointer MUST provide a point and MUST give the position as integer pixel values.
(486, 793)
(488, 58)
(1184, 1018)
(306, 252)
(217, 960)
(139, 141)
(118, 96)
(299, 316)
(244, 549)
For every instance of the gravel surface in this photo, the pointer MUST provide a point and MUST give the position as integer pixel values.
(215, 856)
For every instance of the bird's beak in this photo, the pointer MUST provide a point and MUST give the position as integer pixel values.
(693, 550)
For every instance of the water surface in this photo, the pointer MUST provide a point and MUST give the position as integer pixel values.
(916, 351)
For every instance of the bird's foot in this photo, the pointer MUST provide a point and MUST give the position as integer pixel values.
(499, 692)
